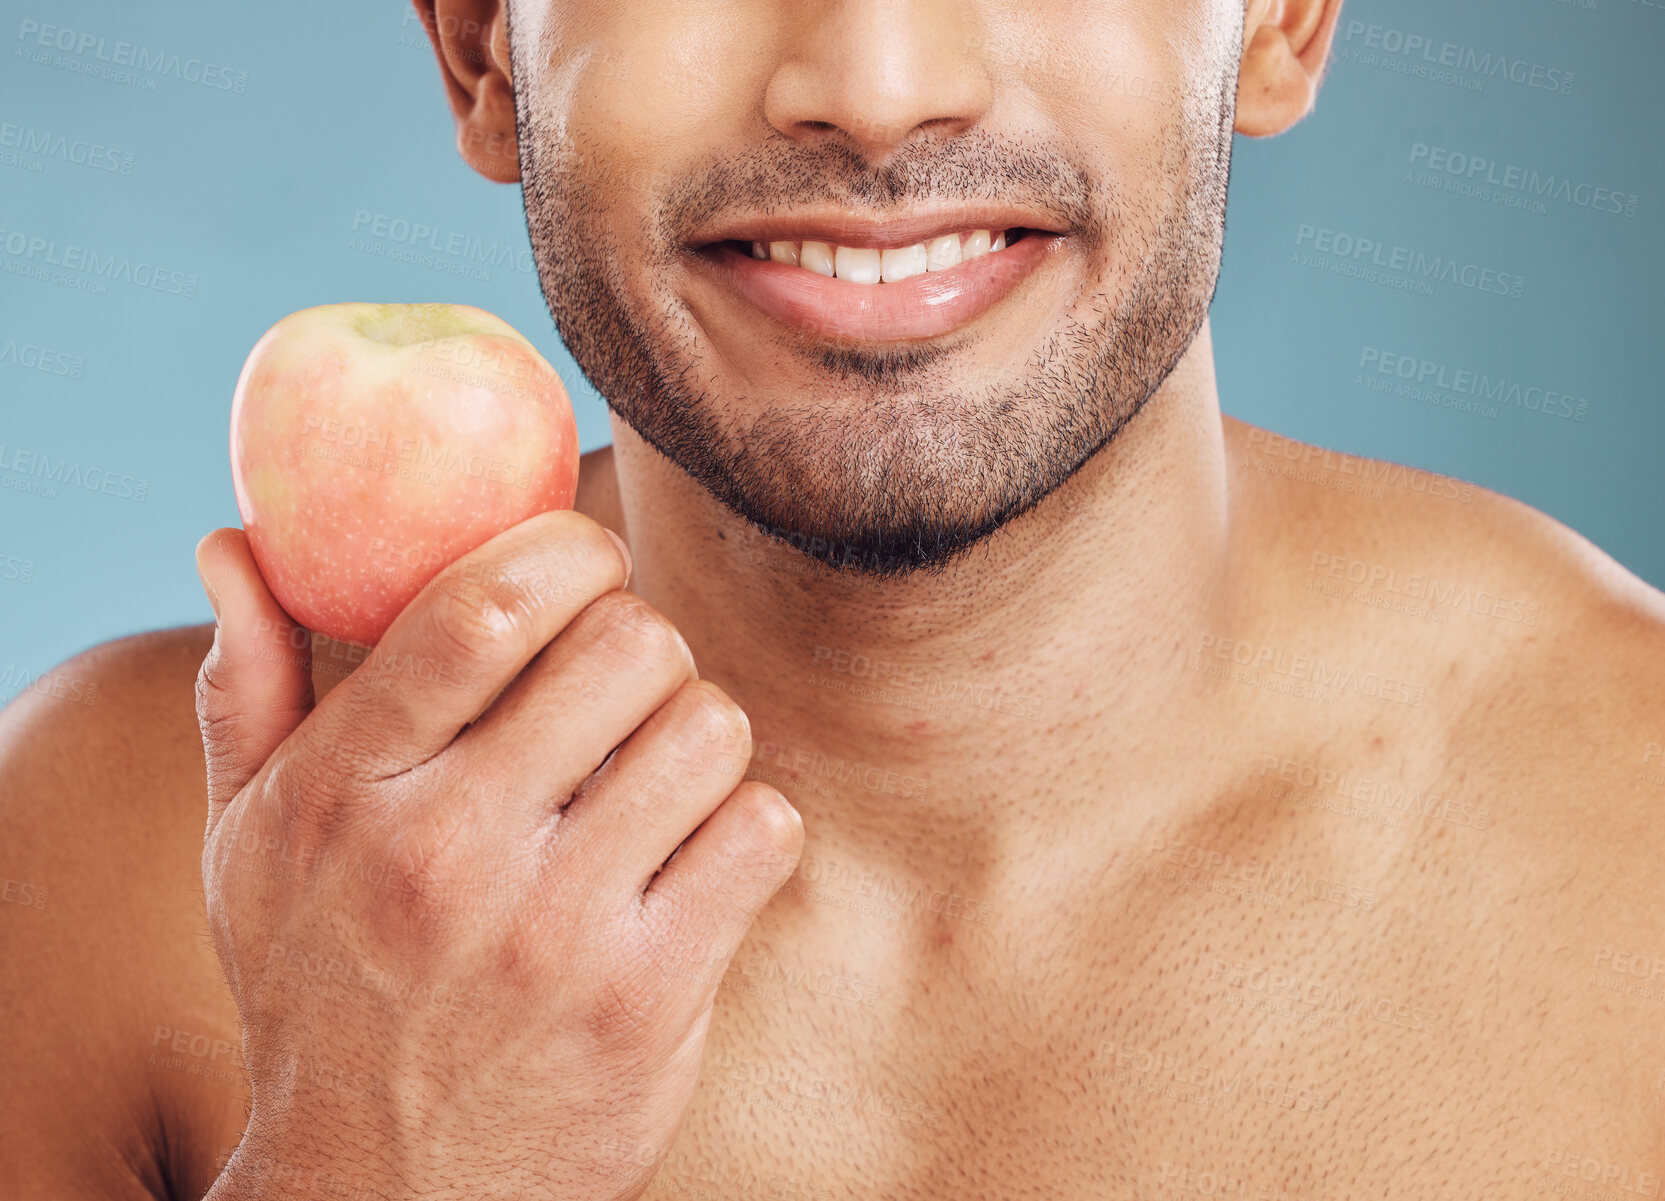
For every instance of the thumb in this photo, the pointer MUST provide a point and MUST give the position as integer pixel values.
(255, 686)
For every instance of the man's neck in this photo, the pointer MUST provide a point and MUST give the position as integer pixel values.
(939, 726)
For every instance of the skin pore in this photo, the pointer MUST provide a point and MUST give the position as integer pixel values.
(1033, 510)
(884, 457)
(1090, 905)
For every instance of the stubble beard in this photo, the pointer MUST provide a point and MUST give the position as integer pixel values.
(903, 465)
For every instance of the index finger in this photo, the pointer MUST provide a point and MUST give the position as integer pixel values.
(470, 631)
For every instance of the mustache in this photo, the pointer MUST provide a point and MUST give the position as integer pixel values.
(976, 165)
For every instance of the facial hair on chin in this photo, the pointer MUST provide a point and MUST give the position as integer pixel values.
(909, 467)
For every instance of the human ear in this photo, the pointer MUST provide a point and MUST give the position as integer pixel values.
(471, 41)
(1285, 46)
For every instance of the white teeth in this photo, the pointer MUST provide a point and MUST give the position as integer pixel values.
(902, 262)
(943, 252)
(857, 264)
(866, 265)
(818, 257)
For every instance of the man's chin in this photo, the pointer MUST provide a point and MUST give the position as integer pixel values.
(879, 555)
(902, 530)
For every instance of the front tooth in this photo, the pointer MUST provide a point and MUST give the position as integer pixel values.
(857, 264)
(943, 253)
(976, 243)
(818, 257)
(999, 242)
(902, 262)
(784, 252)
(759, 250)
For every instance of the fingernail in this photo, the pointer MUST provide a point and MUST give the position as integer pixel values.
(629, 564)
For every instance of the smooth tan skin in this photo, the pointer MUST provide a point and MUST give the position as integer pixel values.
(1048, 1015)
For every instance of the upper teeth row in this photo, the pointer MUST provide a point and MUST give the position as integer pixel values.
(866, 265)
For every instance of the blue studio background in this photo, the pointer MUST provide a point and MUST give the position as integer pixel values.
(1519, 140)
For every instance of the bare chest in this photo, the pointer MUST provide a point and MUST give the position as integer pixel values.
(1257, 1013)
(1208, 1043)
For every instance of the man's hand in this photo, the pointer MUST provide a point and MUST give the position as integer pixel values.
(473, 905)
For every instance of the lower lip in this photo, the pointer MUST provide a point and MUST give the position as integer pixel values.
(922, 306)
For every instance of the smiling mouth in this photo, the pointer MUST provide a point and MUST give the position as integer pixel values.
(853, 293)
(880, 264)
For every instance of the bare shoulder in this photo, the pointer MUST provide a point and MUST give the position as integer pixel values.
(102, 806)
(1470, 579)
(104, 748)
(1542, 662)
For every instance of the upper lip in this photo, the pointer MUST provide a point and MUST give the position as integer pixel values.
(846, 228)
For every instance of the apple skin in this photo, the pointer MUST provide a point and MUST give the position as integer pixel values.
(373, 444)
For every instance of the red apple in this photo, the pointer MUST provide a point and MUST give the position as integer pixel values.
(372, 444)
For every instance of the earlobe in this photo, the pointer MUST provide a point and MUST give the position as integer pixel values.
(471, 42)
(1285, 46)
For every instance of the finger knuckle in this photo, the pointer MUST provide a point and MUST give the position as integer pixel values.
(708, 722)
(767, 832)
(480, 620)
(574, 553)
(631, 627)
